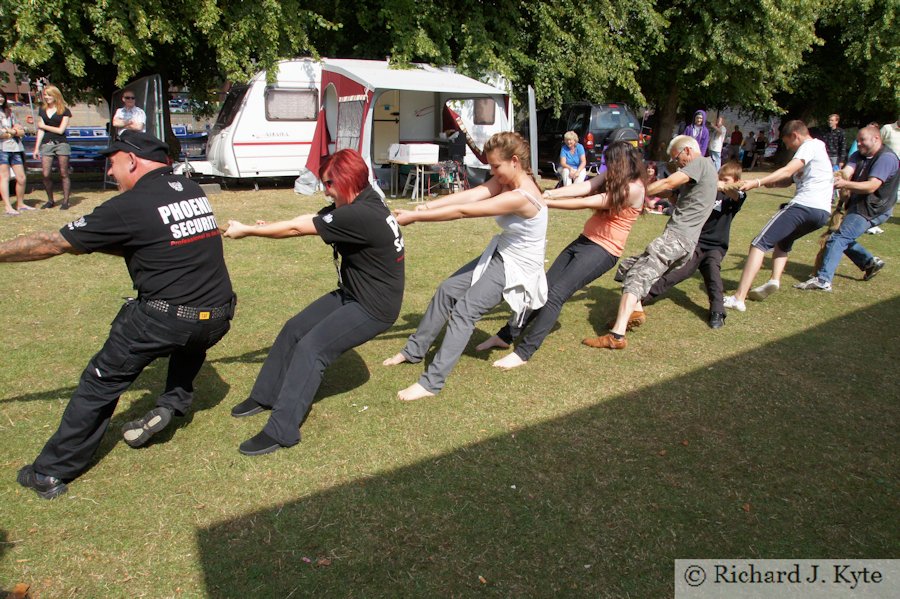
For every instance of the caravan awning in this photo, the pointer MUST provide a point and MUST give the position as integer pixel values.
(377, 74)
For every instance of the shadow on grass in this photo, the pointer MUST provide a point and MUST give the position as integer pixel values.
(789, 450)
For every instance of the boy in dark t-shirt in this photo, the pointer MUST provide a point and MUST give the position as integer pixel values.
(711, 248)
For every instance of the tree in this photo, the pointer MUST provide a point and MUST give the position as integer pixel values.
(721, 54)
(565, 52)
(91, 49)
(854, 72)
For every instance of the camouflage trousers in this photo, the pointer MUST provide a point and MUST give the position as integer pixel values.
(666, 252)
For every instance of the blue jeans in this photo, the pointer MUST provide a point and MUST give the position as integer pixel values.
(843, 241)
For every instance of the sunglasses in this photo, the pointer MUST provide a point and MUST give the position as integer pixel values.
(130, 144)
(128, 97)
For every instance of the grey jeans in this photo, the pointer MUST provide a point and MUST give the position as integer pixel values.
(459, 304)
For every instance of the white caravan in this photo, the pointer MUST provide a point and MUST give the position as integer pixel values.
(268, 130)
(265, 129)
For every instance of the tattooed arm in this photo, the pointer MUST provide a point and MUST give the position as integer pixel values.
(37, 246)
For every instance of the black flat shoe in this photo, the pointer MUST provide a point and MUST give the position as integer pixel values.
(259, 445)
(64, 206)
(248, 407)
(48, 487)
(716, 320)
(48, 204)
(138, 432)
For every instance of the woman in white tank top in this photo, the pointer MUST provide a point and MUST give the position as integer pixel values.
(510, 268)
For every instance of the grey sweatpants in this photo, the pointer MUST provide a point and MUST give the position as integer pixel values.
(459, 304)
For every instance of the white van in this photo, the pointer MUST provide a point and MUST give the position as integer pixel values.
(265, 129)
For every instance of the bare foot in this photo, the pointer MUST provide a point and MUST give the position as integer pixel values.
(509, 362)
(394, 360)
(414, 392)
(494, 341)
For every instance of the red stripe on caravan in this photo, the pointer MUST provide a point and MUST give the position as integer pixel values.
(272, 143)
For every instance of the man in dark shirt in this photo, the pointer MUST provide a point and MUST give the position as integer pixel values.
(872, 178)
(835, 142)
(164, 228)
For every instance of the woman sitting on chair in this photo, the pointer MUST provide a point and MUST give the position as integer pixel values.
(572, 160)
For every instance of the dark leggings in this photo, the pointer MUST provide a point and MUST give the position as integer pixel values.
(581, 262)
(46, 170)
(304, 348)
(709, 262)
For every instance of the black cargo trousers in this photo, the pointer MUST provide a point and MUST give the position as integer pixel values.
(139, 335)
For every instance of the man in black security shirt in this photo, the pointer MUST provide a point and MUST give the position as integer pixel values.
(164, 228)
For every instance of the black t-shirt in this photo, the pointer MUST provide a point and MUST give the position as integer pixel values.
(368, 238)
(166, 230)
(53, 121)
(717, 228)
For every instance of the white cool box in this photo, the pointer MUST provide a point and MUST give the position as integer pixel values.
(414, 153)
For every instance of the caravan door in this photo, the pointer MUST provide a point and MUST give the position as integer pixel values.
(385, 125)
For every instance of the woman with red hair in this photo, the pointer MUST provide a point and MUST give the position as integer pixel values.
(363, 232)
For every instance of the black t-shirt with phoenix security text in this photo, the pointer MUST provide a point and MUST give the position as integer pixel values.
(368, 238)
(165, 229)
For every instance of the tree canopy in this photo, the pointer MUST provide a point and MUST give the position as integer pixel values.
(765, 56)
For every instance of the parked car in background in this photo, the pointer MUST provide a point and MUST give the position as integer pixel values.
(597, 125)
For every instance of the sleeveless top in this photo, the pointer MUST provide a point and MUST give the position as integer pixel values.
(522, 244)
(13, 144)
(610, 230)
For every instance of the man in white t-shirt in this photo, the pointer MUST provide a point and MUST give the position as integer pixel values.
(809, 209)
(129, 116)
(717, 139)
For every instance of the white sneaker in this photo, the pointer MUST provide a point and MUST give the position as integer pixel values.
(733, 304)
(763, 291)
(875, 230)
(814, 284)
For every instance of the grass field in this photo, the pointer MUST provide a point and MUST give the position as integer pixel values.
(584, 473)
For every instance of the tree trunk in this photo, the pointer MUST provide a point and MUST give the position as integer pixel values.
(667, 113)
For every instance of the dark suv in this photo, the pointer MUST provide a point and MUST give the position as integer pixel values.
(597, 125)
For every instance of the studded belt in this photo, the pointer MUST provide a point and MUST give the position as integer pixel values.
(190, 312)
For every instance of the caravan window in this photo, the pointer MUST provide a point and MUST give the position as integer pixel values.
(349, 128)
(485, 111)
(292, 104)
(231, 106)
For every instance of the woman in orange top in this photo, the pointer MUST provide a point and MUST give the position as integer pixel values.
(593, 253)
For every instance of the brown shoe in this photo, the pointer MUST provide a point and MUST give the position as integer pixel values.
(634, 321)
(607, 341)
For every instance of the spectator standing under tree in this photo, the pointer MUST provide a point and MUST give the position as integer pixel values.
(871, 176)
(716, 142)
(807, 211)
(759, 149)
(12, 156)
(734, 145)
(890, 136)
(749, 149)
(53, 120)
(835, 142)
(130, 116)
(698, 130)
